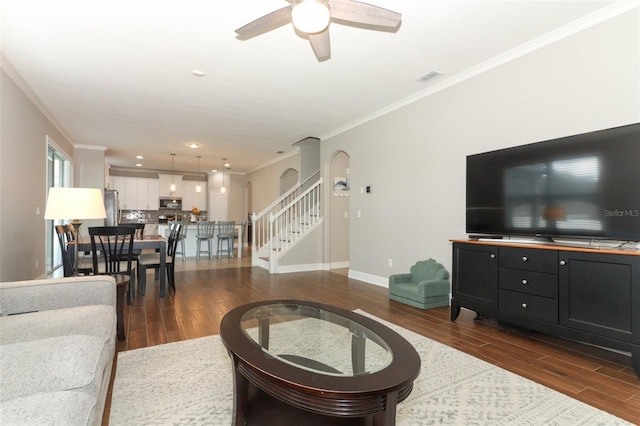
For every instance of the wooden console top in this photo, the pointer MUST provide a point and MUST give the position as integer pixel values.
(560, 247)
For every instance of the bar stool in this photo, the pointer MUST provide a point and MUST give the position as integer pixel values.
(205, 232)
(226, 234)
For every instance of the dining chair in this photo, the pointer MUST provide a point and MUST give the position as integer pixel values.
(226, 235)
(152, 260)
(112, 250)
(205, 232)
(139, 234)
(181, 239)
(65, 236)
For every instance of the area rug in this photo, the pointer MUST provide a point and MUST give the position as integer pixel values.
(190, 383)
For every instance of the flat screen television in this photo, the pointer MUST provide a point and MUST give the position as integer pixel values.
(582, 186)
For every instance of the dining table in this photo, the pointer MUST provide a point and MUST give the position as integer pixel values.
(156, 242)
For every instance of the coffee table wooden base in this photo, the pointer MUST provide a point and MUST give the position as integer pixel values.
(256, 396)
(289, 388)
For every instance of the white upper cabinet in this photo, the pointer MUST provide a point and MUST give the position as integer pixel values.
(136, 193)
(164, 185)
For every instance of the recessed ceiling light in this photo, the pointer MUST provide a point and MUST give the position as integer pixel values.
(139, 157)
(198, 73)
(227, 165)
(214, 170)
(194, 145)
(138, 165)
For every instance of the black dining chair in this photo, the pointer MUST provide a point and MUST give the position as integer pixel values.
(152, 260)
(65, 236)
(112, 249)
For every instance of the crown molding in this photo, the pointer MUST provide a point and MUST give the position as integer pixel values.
(14, 75)
(604, 14)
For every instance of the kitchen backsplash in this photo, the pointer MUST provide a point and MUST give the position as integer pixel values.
(152, 216)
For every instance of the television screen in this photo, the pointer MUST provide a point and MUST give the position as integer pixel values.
(586, 185)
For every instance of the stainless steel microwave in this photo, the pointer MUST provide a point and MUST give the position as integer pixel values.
(171, 203)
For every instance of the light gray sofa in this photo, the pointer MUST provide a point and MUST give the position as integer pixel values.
(57, 344)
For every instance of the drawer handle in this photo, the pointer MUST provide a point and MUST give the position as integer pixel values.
(524, 305)
(524, 282)
(493, 256)
(525, 258)
(562, 263)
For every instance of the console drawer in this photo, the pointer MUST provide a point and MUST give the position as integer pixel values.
(538, 283)
(527, 305)
(529, 259)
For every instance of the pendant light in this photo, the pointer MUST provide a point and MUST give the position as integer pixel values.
(223, 189)
(198, 186)
(172, 188)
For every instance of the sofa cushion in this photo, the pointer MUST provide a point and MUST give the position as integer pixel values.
(53, 364)
(53, 408)
(93, 320)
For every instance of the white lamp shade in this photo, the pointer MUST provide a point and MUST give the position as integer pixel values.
(75, 203)
(311, 16)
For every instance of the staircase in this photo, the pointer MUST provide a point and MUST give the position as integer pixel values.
(284, 223)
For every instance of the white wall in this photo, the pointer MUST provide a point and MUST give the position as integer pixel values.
(266, 181)
(414, 157)
(89, 165)
(23, 183)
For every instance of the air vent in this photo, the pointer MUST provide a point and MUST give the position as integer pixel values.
(429, 76)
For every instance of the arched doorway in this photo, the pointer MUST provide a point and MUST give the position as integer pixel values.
(288, 179)
(337, 214)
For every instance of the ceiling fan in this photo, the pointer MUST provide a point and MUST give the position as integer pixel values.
(312, 18)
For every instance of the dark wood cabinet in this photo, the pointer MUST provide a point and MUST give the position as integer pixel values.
(476, 267)
(601, 294)
(581, 294)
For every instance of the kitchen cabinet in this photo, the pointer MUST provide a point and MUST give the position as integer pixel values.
(191, 198)
(164, 185)
(147, 194)
(136, 193)
(582, 294)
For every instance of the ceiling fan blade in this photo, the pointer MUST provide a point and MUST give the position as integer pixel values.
(363, 13)
(265, 23)
(321, 45)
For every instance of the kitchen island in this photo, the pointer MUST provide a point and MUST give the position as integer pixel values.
(190, 242)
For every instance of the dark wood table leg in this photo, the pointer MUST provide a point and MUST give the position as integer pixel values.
(122, 287)
(388, 416)
(240, 396)
(357, 352)
(263, 330)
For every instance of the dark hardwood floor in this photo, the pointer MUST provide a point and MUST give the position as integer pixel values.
(595, 376)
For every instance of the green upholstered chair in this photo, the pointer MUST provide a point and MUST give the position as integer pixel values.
(426, 286)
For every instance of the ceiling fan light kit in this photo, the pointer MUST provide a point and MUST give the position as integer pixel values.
(311, 16)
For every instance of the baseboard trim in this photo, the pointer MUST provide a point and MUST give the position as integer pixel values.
(369, 278)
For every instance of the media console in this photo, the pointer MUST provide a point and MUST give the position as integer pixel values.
(588, 295)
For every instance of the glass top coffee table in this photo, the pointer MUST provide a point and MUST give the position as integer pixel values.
(299, 361)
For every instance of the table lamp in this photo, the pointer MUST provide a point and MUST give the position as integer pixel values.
(78, 203)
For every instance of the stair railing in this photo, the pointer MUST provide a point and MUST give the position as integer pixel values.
(293, 222)
(260, 235)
